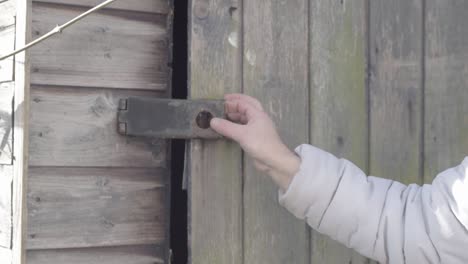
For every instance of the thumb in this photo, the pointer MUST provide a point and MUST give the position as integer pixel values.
(227, 128)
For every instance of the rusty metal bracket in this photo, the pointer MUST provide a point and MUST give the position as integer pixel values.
(168, 118)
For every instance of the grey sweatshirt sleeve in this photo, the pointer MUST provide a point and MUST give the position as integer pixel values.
(382, 219)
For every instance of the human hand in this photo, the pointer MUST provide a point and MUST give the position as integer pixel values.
(256, 133)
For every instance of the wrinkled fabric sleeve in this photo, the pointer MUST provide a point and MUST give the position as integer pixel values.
(382, 219)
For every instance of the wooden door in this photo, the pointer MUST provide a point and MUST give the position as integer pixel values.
(381, 83)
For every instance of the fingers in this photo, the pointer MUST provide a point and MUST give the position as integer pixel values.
(227, 128)
(243, 97)
(242, 108)
(237, 118)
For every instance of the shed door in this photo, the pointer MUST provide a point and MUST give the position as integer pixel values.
(381, 83)
(95, 196)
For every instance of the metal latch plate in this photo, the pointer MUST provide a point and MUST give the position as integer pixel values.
(168, 118)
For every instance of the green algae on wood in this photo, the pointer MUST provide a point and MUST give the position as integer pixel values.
(338, 97)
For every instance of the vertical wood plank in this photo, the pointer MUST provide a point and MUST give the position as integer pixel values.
(396, 89)
(338, 97)
(215, 183)
(446, 95)
(275, 72)
(20, 131)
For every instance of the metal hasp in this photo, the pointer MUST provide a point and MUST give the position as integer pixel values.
(168, 118)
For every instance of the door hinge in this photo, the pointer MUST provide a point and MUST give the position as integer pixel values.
(168, 118)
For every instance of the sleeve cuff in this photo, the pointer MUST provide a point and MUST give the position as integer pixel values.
(312, 187)
(291, 194)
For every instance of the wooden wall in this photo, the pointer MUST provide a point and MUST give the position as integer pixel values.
(381, 83)
(95, 196)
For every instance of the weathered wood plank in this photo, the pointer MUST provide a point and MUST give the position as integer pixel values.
(152, 6)
(7, 38)
(78, 127)
(276, 72)
(215, 183)
(21, 132)
(6, 122)
(146, 254)
(116, 49)
(446, 140)
(338, 96)
(396, 89)
(6, 173)
(90, 207)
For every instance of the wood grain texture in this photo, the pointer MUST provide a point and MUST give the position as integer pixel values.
(6, 174)
(275, 72)
(7, 38)
(338, 100)
(21, 132)
(78, 127)
(446, 95)
(152, 6)
(396, 89)
(6, 122)
(91, 207)
(114, 49)
(215, 181)
(146, 254)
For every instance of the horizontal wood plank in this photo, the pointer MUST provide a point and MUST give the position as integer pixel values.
(78, 127)
(90, 207)
(146, 254)
(6, 122)
(6, 173)
(114, 49)
(153, 6)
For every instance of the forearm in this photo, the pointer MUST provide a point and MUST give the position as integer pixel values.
(380, 218)
(282, 166)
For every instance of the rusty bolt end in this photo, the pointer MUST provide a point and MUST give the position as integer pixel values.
(203, 119)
